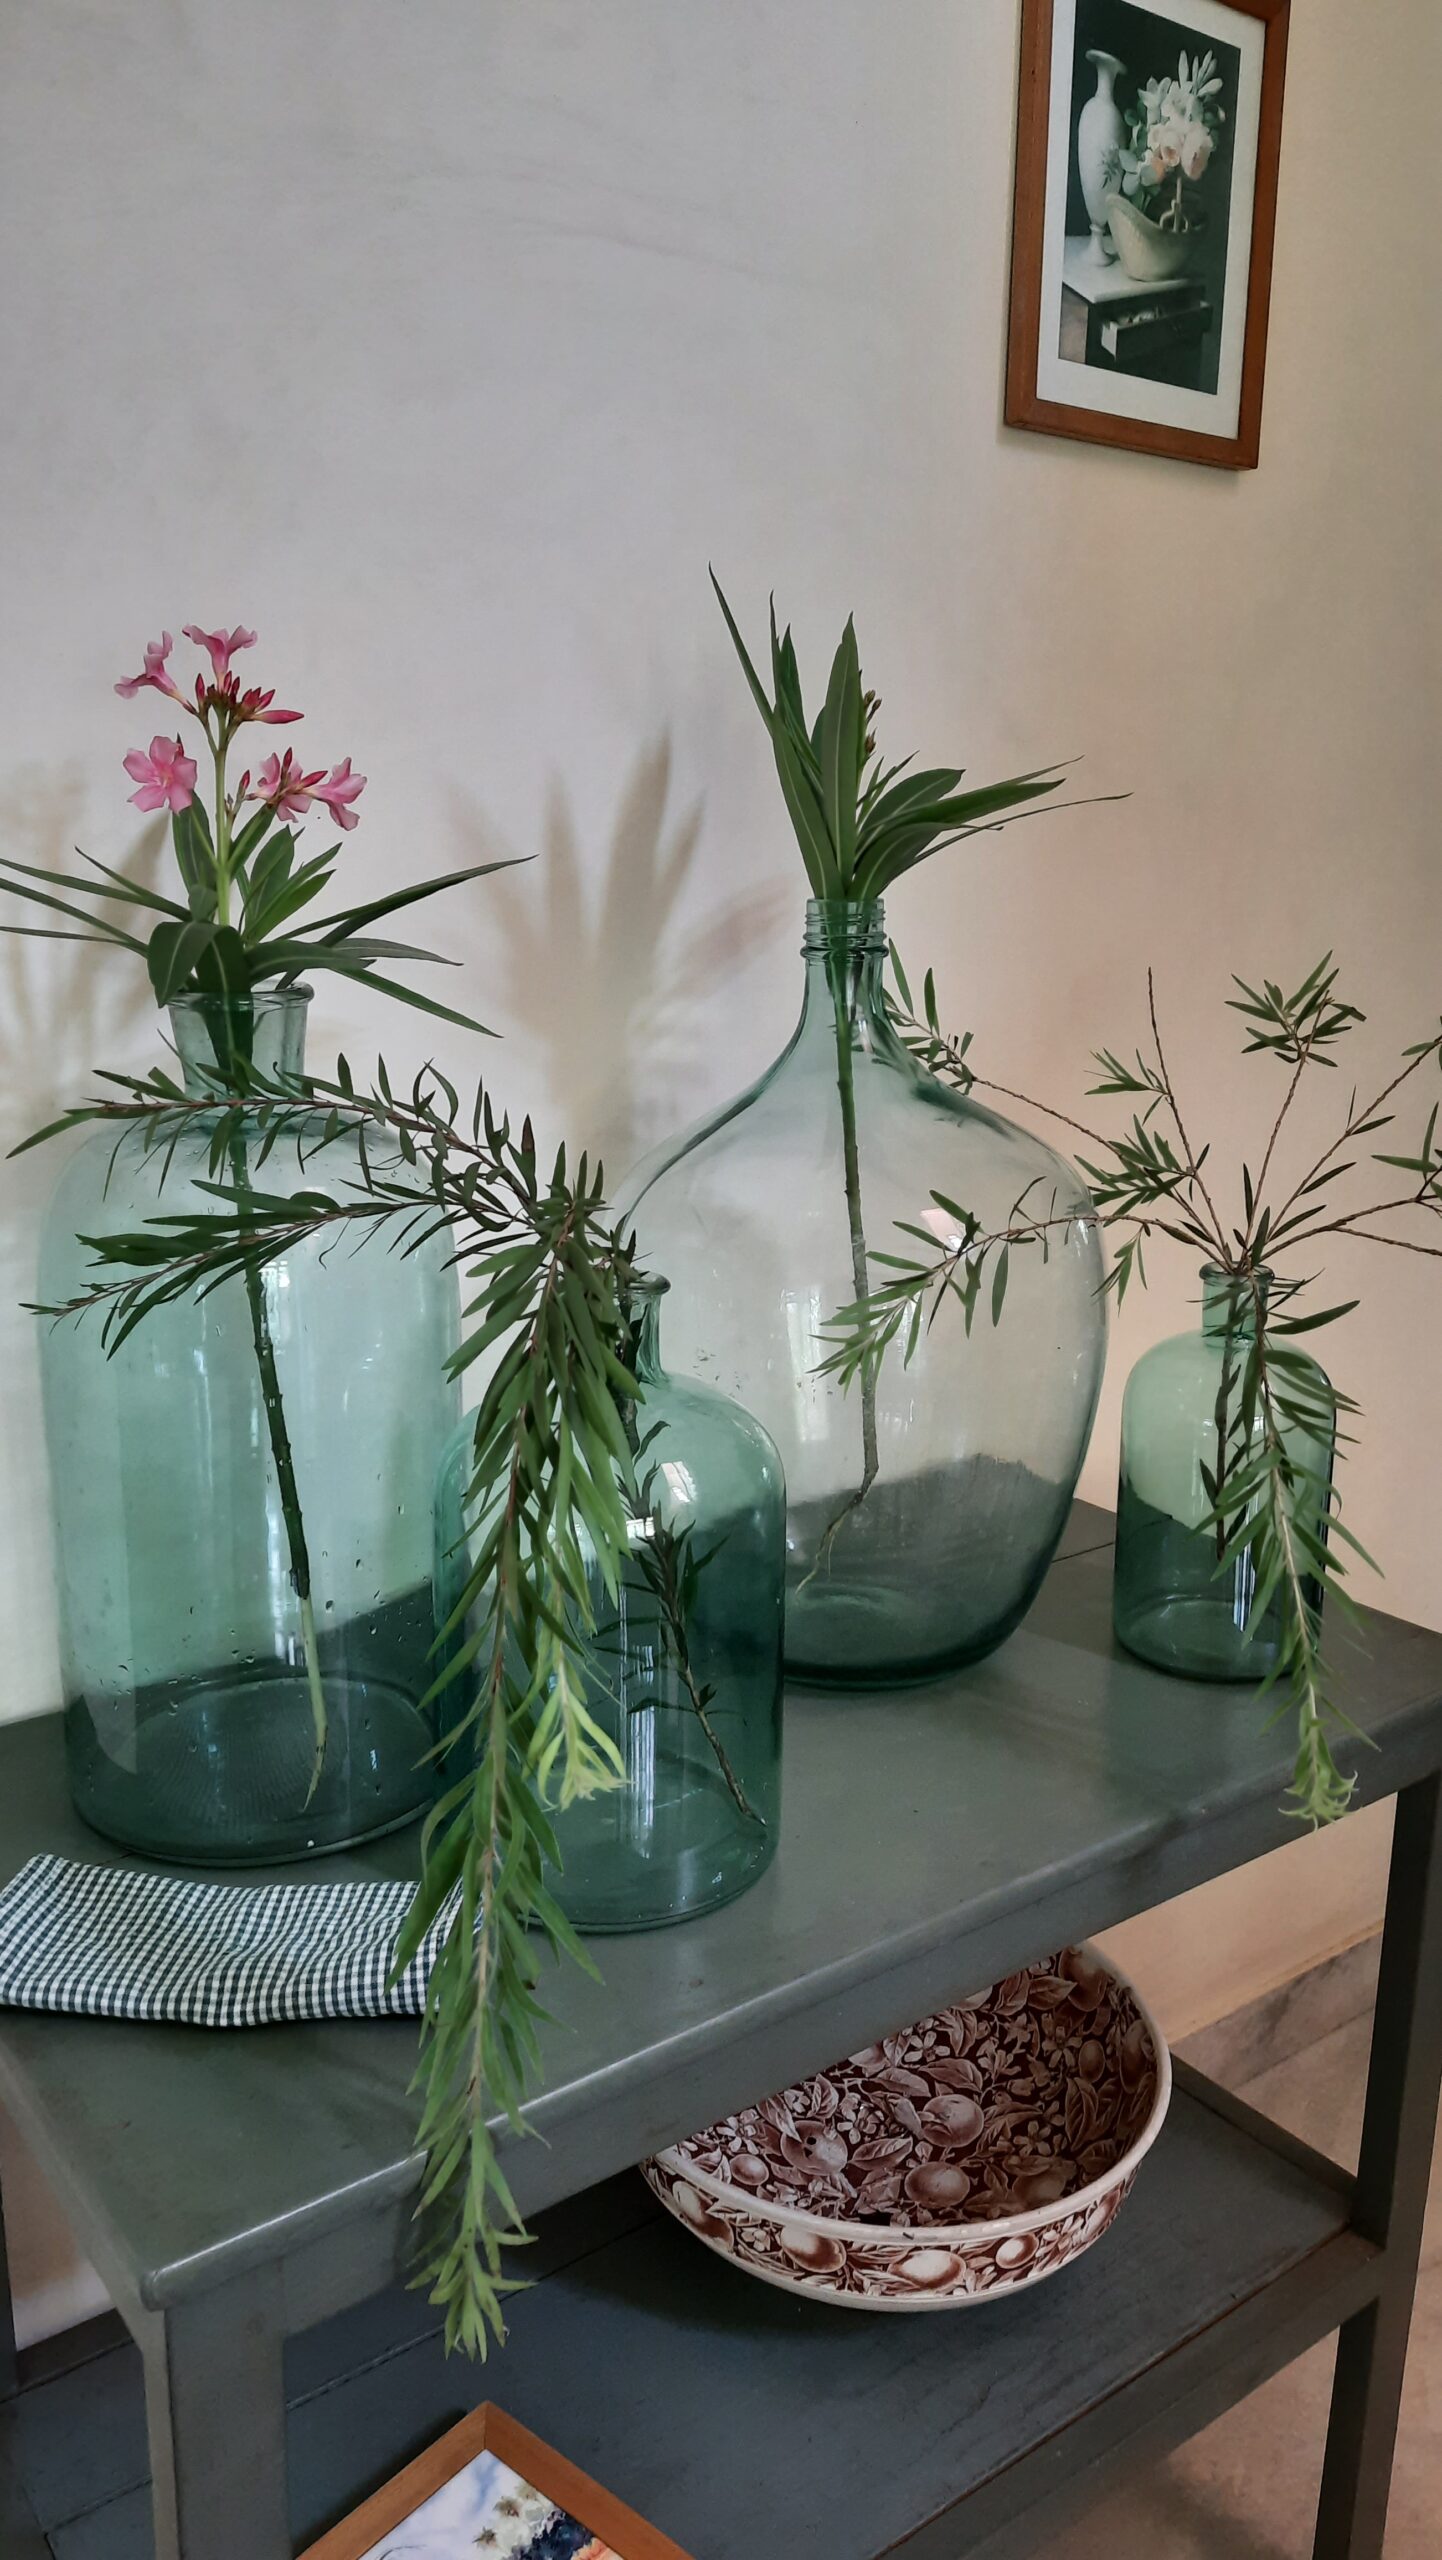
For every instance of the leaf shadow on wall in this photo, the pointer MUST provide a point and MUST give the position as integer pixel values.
(606, 975)
(66, 1007)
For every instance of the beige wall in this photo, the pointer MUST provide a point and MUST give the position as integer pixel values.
(448, 345)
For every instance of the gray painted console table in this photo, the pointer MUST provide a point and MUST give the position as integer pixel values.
(236, 2189)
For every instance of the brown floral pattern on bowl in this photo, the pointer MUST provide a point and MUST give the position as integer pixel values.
(971, 2154)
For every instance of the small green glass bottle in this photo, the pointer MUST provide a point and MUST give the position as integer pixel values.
(684, 1673)
(1175, 1602)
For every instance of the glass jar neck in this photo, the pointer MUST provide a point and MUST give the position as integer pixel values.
(223, 1039)
(1230, 1300)
(844, 948)
(643, 1330)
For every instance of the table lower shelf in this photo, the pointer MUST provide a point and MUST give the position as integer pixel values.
(749, 2423)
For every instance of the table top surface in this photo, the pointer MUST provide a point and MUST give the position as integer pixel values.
(1111, 283)
(932, 1838)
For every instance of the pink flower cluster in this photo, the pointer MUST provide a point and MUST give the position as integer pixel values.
(166, 775)
(292, 792)
(222, 692)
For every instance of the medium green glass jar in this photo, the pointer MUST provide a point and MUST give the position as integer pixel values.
(690, 1695)
(227, 1702)
(1177, 1602)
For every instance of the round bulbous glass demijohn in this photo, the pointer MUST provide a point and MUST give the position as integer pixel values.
(925, 1500)
(242, 1496)
(683, 1672)
(1178, 1600)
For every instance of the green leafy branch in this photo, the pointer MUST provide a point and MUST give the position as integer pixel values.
(236, 929)
(1276, 1516)
(546, 1494)
(861, 824)
(957, 1267)
(1268, 1502)
(551, 1462)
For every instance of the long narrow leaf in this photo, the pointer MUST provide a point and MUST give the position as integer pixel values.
(339, 928)
(758, 690)
(809, 820)
(838, 753)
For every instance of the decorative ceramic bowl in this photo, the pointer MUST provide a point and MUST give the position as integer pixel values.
(966, 2157)
(1149, 254)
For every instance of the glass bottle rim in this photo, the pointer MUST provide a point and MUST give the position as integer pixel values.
(196, 1000)
(646, 1287)
(1230, 1298)
(1215, 1274)
(858, 924)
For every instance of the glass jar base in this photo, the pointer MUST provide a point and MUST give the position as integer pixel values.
(896, 1665)
(622, 1904)
(220, 1772)
(1194, 1635)
(929, 1572)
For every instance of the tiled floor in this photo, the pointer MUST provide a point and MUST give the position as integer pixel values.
(1247, 2488)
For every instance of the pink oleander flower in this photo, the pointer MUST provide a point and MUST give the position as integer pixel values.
(221, 644)
(255, 705)
(154, 672)
(281, 782)
(166, 776)
(291, 792)
(338, 793)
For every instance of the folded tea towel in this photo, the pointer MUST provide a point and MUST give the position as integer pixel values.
(123, 1942)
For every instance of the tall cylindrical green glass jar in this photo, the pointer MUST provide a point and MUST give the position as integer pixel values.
(241, 1497)
(1178, 1602)
(684, 1671)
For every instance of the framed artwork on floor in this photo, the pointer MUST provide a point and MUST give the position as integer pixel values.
(489, 2490)
(1148, 141)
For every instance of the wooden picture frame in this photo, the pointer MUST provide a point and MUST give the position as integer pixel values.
(624, 2535)
(1061, 335)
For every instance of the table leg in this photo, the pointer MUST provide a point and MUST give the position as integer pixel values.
(1399, 2129)
(20, 2535)
(215, 2407)
(9, 2367)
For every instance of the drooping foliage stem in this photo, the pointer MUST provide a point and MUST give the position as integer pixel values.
(548, 1503)
(1274, 1506)
(233, 1036)
(843, 974)
(283, 1458)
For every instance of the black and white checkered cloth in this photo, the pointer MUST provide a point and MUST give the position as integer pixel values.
(120, 1942)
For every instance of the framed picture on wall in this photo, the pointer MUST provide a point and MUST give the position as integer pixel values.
(1148, 141)
(489, 2488)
